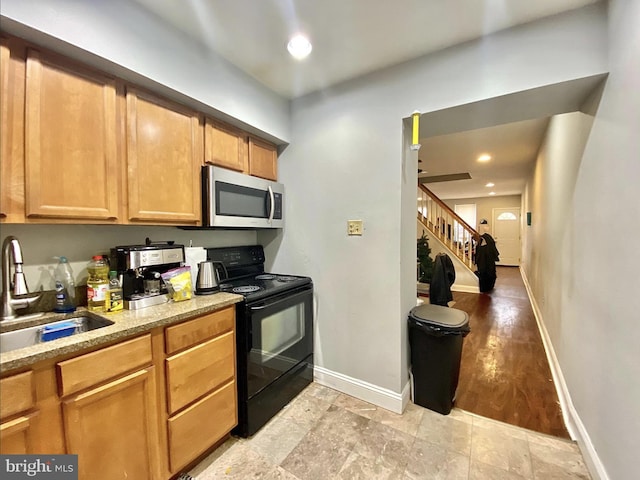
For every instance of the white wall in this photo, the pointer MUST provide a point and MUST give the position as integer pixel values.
(485, 206)
(346, 161)
(125, 34)
(579, 254)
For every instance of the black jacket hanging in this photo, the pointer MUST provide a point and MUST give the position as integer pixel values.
(486, 257)
(444, 274)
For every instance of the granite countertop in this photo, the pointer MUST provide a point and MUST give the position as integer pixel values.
(126, 324)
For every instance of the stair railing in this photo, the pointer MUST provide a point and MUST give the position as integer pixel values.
(456, 234)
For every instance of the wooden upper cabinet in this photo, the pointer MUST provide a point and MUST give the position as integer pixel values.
(164, 155)
(71, 154)
(225, 146)
(263, 158)
(12, 73)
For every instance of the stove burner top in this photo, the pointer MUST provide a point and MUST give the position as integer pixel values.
(246, 289)
(266, 276)
(225, 285)
(286, 278)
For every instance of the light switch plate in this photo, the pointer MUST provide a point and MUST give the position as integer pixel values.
(354, 227)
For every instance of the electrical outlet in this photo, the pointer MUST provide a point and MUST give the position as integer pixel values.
(354, 227)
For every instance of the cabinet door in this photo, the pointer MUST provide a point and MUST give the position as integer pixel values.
(225, 146)
(11, 131)
(17, 396)
(16, 436)
(70, 142)
(263, 159)
(164, 155)
(112, 429)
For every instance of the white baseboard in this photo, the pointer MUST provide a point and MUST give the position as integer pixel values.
(574, 424)
(382, 397)
(465, 288)
(424, 288)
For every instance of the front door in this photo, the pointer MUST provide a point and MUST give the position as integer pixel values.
(506, 233)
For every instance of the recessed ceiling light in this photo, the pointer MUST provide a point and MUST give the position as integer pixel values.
(485, 157)
(490, 184)
(492, 193)
(299, 46)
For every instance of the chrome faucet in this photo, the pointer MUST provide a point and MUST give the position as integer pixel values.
(11, 300)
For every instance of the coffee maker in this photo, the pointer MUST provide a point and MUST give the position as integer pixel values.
(140, 268)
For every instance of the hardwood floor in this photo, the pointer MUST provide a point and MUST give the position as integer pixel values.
(504, 373)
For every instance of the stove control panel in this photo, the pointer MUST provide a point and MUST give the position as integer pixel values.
(237, 256)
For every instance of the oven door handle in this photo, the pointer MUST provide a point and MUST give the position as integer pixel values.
(280, 299)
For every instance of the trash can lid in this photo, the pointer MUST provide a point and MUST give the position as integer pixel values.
(439, 315)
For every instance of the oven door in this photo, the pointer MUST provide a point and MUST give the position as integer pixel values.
(279, 337)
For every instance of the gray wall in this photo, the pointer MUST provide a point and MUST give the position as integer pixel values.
(138, 46)
(41, 243)
(346, 161)
(579, 253)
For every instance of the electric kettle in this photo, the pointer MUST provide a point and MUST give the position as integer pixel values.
(208, 277)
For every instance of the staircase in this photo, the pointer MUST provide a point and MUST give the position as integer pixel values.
(443, 223)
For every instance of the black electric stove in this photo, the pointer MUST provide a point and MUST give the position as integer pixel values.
(274, 333)
(244, 273)
(263, 285)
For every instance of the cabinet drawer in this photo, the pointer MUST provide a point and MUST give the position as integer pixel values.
(192, 332)
(201, 425)
(96, 367)
(17, 394)
(194, 372)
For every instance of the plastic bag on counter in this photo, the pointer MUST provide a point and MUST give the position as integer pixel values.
(178, 282)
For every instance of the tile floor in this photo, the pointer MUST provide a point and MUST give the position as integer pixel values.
(324, 434)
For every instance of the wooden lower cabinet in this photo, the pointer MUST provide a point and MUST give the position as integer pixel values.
(16, 435)
(198, 427)
(112, 428)
(17, 409)
(201, 397)
(143, 408)
(199, 370)
(30, 419)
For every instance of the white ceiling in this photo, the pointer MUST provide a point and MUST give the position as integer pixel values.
(513, 148)
(354, 37)
(350, 37)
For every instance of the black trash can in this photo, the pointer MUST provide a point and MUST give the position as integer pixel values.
(435, 338)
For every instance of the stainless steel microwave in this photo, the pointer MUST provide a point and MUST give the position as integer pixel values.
(235, 200)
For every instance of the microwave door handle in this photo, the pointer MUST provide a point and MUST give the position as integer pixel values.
(272, 204)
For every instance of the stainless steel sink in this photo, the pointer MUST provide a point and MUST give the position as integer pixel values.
(26, 337)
